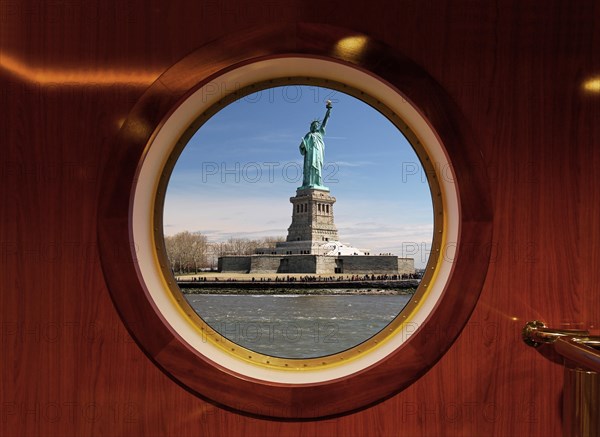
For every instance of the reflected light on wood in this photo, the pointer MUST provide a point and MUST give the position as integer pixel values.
(352, 47)
(76, 77)
(592, 85)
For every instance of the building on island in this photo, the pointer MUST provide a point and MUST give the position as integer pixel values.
(312, 246)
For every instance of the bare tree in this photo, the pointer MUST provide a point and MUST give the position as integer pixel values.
(189, 252)
(240, 246)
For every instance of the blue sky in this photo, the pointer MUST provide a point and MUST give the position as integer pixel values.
(237, 173)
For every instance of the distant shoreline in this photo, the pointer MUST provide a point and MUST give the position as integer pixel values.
(400, 286)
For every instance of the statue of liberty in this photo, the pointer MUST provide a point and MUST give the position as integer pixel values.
(312, 148)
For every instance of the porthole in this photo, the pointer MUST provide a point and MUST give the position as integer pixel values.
(298, 312)
(147, 298)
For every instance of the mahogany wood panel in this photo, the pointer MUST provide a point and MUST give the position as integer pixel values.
(513, 68)
(164, 345)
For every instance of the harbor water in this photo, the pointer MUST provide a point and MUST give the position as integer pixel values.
(298, 325)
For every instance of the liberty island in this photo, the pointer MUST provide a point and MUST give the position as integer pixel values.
(312, 244)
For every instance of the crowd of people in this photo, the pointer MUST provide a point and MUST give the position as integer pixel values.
(308, 278)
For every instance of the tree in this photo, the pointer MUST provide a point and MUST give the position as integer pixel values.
(187, 251)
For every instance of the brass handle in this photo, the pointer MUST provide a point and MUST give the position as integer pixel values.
(535, 333)
(576, 345)
(579, 352)
(581, 392)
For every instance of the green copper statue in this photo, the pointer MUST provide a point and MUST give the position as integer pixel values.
(312, 148)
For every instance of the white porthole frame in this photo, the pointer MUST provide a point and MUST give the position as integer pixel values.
(163, 143)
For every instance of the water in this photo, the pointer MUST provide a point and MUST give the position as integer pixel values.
(297, 326)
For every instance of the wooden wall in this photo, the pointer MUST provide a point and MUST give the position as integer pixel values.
(72, 70)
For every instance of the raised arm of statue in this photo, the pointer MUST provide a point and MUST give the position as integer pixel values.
(324, 123)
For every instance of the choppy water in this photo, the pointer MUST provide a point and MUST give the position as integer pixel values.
(297, 326)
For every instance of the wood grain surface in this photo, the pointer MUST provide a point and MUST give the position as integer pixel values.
(401, 368)
(72, 71)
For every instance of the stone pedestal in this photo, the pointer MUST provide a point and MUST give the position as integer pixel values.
(312, 217)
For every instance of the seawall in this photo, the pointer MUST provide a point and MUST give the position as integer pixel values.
(399, 284)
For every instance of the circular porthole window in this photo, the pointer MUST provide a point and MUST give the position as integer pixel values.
(226, 321)
(307, 295)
